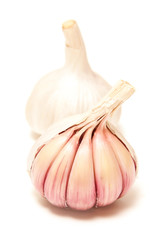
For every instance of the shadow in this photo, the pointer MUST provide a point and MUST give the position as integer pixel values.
(34, 135)
(116, 208)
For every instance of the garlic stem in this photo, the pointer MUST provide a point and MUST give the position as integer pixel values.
(115, 97)
(75, 49)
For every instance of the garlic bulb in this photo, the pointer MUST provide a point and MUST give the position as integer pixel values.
(84, 161)
(73, 89)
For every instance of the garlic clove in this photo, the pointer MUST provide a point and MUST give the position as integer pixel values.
(45, 157)
(107, 172)
(58, 174)
(54, 130)
(125, 161)
(79, 85)
(81, 192)
(119, 135)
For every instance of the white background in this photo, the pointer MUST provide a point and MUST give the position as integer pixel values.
(123, 42)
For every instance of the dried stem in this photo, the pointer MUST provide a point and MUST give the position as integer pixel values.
(116, 96)
(75, 48)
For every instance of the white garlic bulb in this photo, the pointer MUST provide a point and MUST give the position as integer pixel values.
(73, 89)
(84, 161)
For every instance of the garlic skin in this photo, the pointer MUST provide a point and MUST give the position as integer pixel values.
(71, 90)
(84, 161)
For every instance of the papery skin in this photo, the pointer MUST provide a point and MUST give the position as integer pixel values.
(61, 94)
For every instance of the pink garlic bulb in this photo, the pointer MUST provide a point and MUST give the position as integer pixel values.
(85, 162)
